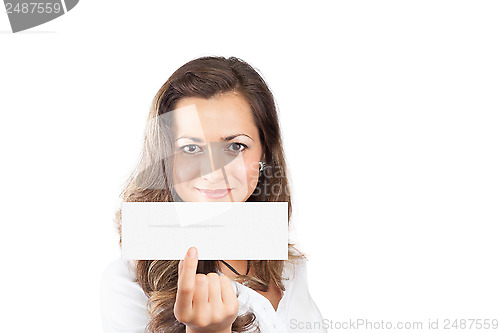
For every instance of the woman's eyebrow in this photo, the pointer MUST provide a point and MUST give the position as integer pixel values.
(230, 137)
(190, 138)
(227, 138)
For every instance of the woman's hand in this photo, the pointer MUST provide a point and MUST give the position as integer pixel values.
(204, 303)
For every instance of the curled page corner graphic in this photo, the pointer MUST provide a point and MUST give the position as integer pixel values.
(28, 14)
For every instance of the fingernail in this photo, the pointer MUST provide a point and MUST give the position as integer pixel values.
(192, 252)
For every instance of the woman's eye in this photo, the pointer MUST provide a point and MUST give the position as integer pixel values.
(237, 147)
(191, 149)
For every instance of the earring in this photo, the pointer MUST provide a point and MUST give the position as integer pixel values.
(261, 166)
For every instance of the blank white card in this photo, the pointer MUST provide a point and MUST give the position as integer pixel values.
(219, 230)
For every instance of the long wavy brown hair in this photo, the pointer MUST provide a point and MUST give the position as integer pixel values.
(206, 77)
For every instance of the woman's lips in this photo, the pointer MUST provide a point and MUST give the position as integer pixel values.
(214, 194)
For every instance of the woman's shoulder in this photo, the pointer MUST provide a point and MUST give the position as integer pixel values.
(123, 302)
(119, 276)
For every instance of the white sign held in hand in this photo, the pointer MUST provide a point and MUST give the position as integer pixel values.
(219, 230)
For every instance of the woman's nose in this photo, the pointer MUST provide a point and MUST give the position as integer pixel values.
(213, 177)
(211, 165)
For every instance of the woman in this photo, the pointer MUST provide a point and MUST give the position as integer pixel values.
(212, 135)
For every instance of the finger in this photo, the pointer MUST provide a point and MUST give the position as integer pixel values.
(186, 281)
(200, 299)
(214, 289)
(227, 292)
(179, 269)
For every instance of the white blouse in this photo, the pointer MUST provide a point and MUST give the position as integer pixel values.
(124, 304)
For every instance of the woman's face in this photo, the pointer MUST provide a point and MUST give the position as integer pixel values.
(217, 149)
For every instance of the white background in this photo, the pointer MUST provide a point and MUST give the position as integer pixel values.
(390, 117)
